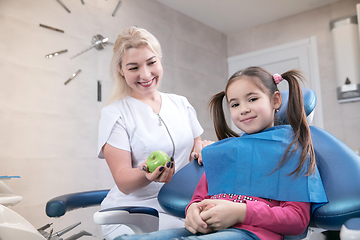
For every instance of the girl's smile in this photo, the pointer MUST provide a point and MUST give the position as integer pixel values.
(247, 120)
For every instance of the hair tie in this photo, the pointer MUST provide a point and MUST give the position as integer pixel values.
(277, 78)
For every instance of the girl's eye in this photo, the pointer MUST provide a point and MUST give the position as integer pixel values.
(253, 99)
(234, 105)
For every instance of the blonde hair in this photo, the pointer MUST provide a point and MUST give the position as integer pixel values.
(132, 37)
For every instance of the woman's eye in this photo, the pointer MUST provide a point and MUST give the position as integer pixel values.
(153, 62)
(131, 69)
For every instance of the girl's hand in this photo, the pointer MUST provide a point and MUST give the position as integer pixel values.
(199, 145)
(221, 214)
(193, 221)
(161, 173)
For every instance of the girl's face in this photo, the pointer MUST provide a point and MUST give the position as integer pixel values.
(251, 109)
(142, 71)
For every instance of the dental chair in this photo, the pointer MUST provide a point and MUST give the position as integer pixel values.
(339, 168)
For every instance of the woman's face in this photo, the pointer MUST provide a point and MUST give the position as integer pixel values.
(142, 71)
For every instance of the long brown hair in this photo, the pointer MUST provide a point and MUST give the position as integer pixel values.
(295, 113)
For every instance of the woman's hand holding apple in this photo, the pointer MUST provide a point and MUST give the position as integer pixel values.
(162, 168)
(167, 172)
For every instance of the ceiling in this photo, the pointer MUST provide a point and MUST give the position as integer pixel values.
(229, 16)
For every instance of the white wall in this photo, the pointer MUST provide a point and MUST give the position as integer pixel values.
(342, 120)
(49, 130)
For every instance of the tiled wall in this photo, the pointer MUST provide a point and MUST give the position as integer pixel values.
(342, 120)
(48, 129)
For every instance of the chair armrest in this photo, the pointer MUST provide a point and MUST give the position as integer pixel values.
(58, 206)
(350, 229)
(176, 195)
(139, 219)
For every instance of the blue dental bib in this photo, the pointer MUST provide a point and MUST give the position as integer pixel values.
(245, 165)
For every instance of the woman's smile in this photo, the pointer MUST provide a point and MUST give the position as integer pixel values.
(148, 83)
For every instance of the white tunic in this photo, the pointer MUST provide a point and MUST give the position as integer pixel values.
(131, 125)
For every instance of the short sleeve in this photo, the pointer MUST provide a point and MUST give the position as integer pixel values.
(112, 131)
(118, 137)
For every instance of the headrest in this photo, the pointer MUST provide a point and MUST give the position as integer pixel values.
(309, 98)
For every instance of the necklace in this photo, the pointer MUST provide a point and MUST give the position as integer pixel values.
(172, 140)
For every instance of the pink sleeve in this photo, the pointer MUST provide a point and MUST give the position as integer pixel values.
(200, 192)
(290, 218)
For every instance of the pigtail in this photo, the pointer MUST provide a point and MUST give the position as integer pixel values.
(297, 119)
(222, 130)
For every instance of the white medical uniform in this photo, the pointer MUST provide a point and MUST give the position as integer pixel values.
(131, 125)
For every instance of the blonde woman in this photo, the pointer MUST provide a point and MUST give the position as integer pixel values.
(140, 120)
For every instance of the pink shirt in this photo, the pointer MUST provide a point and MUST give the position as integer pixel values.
(268, 219)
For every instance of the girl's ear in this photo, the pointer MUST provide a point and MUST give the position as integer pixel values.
(277, 100)
(120, 70)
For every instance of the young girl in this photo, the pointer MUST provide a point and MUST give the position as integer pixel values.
(260, 185)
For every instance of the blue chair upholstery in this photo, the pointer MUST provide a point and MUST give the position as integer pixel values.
(58, 206)
(174, 199)
(309, 99)
(339, 168)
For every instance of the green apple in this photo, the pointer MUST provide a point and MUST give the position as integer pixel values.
(155, 159)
